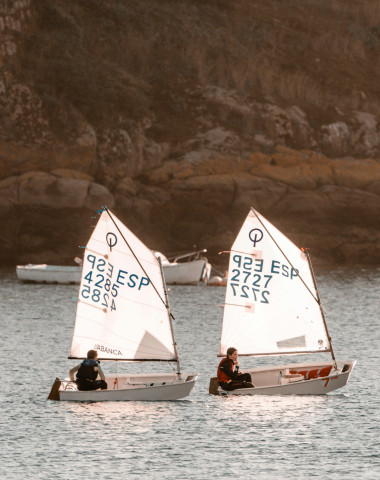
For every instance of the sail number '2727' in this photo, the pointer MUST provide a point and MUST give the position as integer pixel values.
(251, 278)
(102, 282)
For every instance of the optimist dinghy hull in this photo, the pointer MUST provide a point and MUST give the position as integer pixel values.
(295, 379)
(139, 387)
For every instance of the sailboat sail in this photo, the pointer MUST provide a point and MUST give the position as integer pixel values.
(121, 309)
(271, 305)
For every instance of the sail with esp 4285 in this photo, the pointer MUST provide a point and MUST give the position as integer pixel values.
(123, 313)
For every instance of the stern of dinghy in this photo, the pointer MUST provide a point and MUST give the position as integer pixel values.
(54, 392)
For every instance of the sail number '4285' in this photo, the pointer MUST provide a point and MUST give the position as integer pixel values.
(251, 278)
(101, 282)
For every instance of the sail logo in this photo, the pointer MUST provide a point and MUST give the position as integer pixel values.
(256, 235)
(111, 351)
(111, 240)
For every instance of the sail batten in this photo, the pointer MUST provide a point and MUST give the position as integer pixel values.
(120, 310)
(276, 354)
(100, 358)
(270, 307)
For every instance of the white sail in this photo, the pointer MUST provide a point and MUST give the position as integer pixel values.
(121, 309)
(271, 304)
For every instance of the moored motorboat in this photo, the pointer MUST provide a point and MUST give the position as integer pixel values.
(188, 269)
(43, 273)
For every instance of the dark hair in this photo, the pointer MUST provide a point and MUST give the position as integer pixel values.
(231, 350)
(91, 354)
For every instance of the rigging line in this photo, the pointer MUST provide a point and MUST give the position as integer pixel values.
(253, 254)
(290, 263)
(129, 360)
(170, 320)
(137, 260)
(321, 309)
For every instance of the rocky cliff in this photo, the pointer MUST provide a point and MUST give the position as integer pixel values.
(180, 115)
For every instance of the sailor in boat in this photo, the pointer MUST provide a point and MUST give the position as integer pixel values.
(87, 373)
(229, 376)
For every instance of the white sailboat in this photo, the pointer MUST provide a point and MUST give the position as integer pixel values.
(123, 313)
(272, 307)
(191, 268)
(43, 273)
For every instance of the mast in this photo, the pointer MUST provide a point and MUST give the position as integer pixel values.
(170, 315)
(320, 307)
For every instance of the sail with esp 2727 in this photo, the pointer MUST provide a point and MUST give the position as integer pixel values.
(271, 305)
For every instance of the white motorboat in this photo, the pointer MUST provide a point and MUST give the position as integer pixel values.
(43, 273)
(188, 269)
(272, 307)
(123, 313)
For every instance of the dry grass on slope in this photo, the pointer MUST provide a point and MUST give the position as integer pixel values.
(111, 59)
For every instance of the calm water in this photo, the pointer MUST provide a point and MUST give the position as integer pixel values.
(202, 437)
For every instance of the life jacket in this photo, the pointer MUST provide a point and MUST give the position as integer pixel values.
(221, 376)
(87, 370)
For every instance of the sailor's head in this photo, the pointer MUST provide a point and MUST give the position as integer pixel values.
(92, 354)
(232, 353)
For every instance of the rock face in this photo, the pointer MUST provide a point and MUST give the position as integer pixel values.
(179, 116)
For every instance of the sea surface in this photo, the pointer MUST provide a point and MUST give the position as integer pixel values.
(202, 437)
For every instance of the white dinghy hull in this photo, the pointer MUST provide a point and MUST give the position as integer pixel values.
(278, 381)
(49, 273)
(140, 387)
(189, 273)
(193, 269)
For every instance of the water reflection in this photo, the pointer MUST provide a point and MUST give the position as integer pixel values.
(284, 409)
(149, 412)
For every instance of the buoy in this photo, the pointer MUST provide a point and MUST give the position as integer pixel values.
(217, 282)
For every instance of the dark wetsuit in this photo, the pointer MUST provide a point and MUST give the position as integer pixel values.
(226, 372)
(86, 376)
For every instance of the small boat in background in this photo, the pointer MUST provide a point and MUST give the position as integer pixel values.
(43, 273)
(187, 269)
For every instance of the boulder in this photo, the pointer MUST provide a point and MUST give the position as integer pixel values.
(47, 190)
